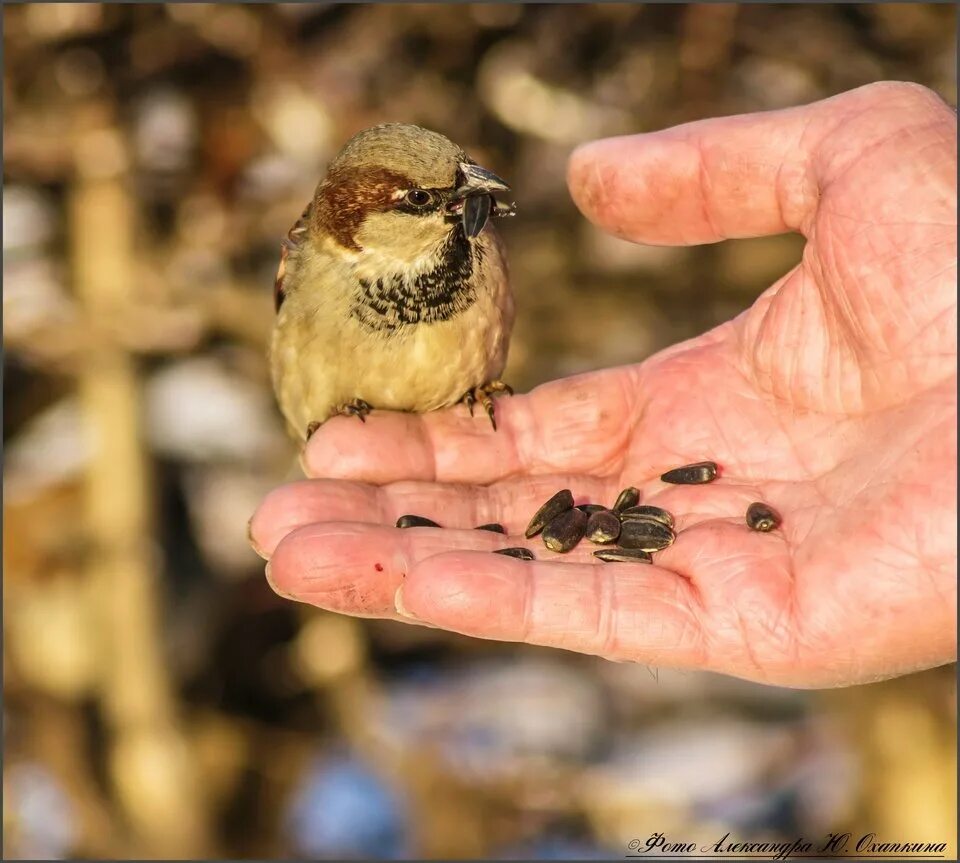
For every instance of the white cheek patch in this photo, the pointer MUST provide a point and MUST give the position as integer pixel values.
(401, 240)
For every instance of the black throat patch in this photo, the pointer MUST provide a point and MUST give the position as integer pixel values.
(397, 299)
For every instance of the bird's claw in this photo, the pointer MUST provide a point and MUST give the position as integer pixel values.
(356, 408)
(487, 403)
(483, 395)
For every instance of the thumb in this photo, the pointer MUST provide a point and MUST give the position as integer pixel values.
(742, 176)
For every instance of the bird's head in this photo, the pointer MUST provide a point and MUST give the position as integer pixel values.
(401, 190)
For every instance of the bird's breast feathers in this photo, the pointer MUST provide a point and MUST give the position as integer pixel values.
(416, 337)
(390, 295)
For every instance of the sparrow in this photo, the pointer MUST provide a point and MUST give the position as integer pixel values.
(393, 290)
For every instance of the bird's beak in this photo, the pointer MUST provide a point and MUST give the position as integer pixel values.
(476, 191)
(479, 181)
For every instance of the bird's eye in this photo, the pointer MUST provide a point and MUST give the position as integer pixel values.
(418, 197)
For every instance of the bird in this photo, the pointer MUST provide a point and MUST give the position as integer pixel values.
(393, 289)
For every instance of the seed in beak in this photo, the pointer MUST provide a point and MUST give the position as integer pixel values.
(476, 211)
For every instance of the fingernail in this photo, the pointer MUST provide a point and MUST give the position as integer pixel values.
(272, 583)
(251, 540)
(398, 605)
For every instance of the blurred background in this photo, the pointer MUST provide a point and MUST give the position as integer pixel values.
(160, 700)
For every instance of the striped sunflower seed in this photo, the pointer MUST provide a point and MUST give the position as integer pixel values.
(645, 535)
(630, 496)
(559, 503)
(762, 517)
(603, 526)
(647, 512)
(692, 474)
(519, 552)
(565, 531)
(624, 555)
(415, 521)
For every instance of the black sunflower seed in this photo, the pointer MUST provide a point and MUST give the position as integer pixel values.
(645, 534)
(518, 552)
(624, 555)
(559, 503)
(415, 521)
(692, 474)
(762, 517)
(493, 527)
(565, 531)
(647, 512)
(591, 508)
(630, 496)
(603, 526)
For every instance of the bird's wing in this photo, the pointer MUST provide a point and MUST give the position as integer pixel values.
(290, 245)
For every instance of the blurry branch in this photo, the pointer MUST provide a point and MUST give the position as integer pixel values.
(505, 80)
(706, 46)
(236, 311)
(58, 739)
(150, 767)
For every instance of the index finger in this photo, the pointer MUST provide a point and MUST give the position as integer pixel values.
(575, 425)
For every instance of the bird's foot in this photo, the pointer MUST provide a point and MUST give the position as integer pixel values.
(356, 408)
(311, 428)
(483, 395)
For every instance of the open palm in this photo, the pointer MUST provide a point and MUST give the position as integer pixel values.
(833, 398)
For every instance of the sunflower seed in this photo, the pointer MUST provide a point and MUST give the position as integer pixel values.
(591, 508)
(646, 535)
(647, 512)
(565, 531)
(559, 503)
(624, 555)
(762, 517)
(630, 496)
(692, 474)
(493, 527)
(518, 552)
(603, 526)
(415, 521)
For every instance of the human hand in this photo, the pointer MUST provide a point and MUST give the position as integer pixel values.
(833, 398)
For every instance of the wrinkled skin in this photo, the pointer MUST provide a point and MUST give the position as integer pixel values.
(832, 398)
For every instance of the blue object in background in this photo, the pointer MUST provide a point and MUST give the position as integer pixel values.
(343, 809)
(42, 819)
